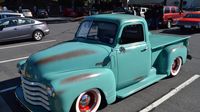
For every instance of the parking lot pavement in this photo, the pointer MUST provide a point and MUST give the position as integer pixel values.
(184, 101)
(9, 78)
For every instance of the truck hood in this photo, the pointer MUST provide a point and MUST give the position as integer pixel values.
(68, 56)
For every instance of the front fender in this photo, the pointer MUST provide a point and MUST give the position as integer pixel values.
(72, 84)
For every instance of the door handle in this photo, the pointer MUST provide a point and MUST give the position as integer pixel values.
(146, 48)
(122, 50)
(15, 28)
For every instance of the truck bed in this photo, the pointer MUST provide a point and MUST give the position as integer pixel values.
(158, 41)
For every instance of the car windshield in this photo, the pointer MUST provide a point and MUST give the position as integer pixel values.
(97, 31)
(192, 16)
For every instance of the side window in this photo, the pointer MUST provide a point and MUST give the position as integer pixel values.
(167, 10)
(177, 10)
(12, 22)
(132, 34)
(5, 23)
(23, 21)
(173, 10)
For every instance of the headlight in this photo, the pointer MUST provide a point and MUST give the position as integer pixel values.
(50, 91)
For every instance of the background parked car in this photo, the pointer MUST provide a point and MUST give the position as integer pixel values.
(27, 13)
(42, 13)
(9, 14)
(171, 15)
(163, 16)
(190, 21)
(22, 28)
(122, 10)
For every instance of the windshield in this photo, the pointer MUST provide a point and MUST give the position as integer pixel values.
(98, 31)
(192, 16)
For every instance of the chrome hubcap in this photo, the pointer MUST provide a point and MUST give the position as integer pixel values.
(38, 36)
(87, 102)
(175, 65)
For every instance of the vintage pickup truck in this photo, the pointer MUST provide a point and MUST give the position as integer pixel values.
(112, 55)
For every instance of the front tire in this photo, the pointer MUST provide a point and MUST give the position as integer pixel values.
(88, 101)
(176, 66)
(38, 35)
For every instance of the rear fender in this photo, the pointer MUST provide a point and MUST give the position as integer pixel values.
(69, 88)
(168, 55)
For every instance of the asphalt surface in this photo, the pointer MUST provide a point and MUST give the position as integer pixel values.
(186, 100)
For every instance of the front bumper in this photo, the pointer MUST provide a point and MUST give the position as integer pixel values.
(31, 108)
(46, 32)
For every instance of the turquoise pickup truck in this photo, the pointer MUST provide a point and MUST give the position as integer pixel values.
(112, 55)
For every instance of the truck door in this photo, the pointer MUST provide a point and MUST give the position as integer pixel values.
(133, 56)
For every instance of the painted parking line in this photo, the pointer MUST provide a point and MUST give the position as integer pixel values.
(8, 89)
(170, 94)
(11, 60)
(28, 44)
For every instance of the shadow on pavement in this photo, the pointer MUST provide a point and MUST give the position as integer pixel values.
(8, 95)
(15, 41)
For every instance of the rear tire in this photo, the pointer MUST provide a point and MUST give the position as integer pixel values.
(176, 66)
(38, 35)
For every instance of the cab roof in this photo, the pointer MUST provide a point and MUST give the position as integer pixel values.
(115, 18)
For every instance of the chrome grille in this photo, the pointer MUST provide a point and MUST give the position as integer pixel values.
(35, 93)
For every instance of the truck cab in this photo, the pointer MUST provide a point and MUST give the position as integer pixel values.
(112, 55)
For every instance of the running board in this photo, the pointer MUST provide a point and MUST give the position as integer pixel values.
(140, 85)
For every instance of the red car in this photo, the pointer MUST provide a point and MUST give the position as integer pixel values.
(171, 15)
(190, 21)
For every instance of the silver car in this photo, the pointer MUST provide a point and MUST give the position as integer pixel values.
(22, 28)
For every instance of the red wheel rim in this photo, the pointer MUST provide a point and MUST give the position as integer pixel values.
(175, 65)
(88, 101)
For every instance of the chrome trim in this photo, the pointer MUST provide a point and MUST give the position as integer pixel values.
(33, 83)
(36, 99)
(37, 103)
(34, 89)
(36, 94)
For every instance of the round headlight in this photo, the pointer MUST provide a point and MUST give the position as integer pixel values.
(50, 91)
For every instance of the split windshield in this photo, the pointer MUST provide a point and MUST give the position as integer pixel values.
(97, 31)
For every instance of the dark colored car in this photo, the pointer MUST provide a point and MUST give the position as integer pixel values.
(42, 13)
(190, 21)
(122, 10)
(22, 28)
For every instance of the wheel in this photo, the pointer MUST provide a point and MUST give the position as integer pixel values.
(88, 101)
(176, 66)
(38, 35)
(169, 24)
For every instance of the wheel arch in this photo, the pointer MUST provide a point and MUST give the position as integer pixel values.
(104, 82)
(37, 30)
(167, 56)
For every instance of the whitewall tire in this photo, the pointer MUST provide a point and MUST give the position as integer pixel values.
(176, 66)
(88, 101)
